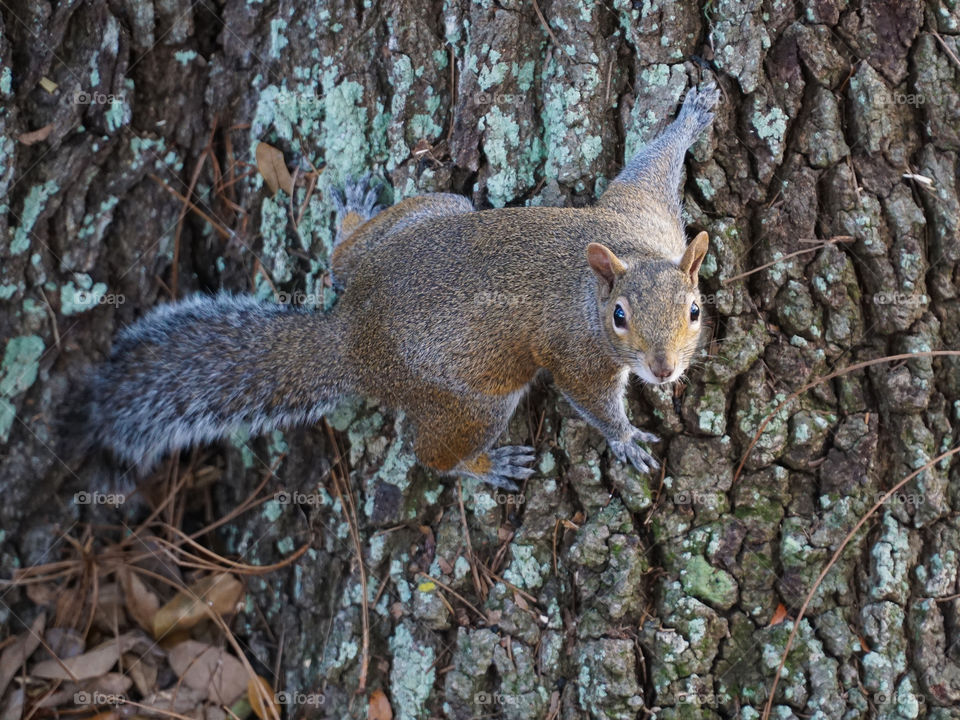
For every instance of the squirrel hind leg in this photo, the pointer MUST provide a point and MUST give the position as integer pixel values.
(357, 202)
(454, 436)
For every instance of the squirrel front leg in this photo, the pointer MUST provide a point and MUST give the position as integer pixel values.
(601, 404)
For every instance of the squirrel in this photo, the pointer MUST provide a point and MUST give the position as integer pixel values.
(446, 313)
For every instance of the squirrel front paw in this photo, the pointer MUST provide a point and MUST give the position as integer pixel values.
(628, 449)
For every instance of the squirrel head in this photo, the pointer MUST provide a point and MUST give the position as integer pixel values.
(650, 311)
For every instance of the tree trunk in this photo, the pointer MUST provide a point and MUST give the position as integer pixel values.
(609, 594)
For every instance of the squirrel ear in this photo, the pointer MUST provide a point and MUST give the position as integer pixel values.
(693, 256)
(605, 264)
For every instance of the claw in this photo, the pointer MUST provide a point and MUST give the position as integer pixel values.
(625, 450)
(361, 196)
(500, 482)
(643, 436)
(509, 463)
(699, 104)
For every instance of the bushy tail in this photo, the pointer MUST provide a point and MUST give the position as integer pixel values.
(194, 371)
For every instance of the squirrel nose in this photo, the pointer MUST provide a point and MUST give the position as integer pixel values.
(661, 367)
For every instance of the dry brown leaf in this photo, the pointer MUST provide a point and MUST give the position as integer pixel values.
(267, 710)
(35, 136)
(70, 604)
(778, 615)
(379, 708)
(142, 672)
(43, 594)
(109, 613)
(91, 664)
(221, 592)
(16, 654)
(113, 683)
(272, 166)
(64, 642)
(13, 710)
(210, 669)
(174, 638)
(66, 695)
(239, 711)
(141, 602)
(178, 699)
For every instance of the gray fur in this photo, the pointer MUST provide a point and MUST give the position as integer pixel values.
(447, 314)
(195, 371)
(654, 173)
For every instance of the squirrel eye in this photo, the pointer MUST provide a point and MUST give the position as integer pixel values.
(694, 312)
(619, 317)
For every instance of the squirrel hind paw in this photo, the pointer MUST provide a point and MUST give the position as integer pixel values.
(507, 464)
(360, 195)
(700, 102)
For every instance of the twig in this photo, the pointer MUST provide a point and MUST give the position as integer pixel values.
(453, 93)
(836, 373)
(823, 244)
(836, 556)
(457, 595)
(946, 47)
(222, 231)
(350, 511)
(174, 265)
(221, 623)
(293, 191)
(546, 25)
(53, 320)
(510, 585)
(466, 535)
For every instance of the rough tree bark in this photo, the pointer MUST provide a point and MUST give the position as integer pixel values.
(646, 593)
